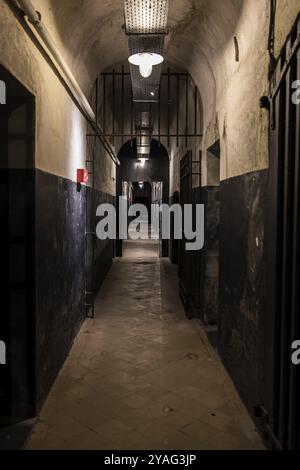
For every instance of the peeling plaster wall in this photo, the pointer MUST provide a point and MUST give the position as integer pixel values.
(60, 127)
(56, 151)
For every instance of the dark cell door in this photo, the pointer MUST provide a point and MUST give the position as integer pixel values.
(284, 221)
(174, 243)
(17, 252)
(189, 268)
(159, 200)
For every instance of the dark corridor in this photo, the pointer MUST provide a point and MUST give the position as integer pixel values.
(142, 176)
(175, 327)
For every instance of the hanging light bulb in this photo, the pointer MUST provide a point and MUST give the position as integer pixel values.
(142, 162)
(145, 61)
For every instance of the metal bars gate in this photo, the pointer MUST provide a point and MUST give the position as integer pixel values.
(175, 115)
(285, 219)
(90, 208)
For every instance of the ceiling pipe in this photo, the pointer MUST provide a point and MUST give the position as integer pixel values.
(35, 19)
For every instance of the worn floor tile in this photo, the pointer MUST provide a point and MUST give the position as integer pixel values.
(142, 376)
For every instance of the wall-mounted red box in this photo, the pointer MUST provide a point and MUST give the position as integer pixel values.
(82, 176)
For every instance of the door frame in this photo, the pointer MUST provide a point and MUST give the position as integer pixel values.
(19, 185)
(282, 324)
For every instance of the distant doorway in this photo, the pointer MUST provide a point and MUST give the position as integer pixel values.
(141, 193)
(143, 183)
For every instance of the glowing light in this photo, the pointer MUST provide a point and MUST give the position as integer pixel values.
(142, 161)
(145, 61)
(141, 184)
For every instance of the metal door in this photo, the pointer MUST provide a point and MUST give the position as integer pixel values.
(284, 222)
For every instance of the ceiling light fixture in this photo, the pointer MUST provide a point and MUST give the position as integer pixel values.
(142, 161)
(145, 61)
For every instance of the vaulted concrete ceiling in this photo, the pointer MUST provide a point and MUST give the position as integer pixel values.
(92, 31)
(91, 35)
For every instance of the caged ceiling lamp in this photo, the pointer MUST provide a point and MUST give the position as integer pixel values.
(146, 61)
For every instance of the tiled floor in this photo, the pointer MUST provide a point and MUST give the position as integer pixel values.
(133, 249)
(141, 376)
(146, 248)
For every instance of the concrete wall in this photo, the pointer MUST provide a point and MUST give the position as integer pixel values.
(60, 148)
(202, 40)
(56, 152)
(60, 127)
(286, 13)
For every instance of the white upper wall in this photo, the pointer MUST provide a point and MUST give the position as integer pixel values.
(60, 128)
(89, 35)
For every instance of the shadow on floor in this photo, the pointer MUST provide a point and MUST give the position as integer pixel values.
(14, 437)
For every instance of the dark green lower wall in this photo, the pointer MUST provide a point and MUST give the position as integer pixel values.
(44, 259)
(200, 270)
(60, 268)
(229, 279)
(61, 259)
(242, 283)
(209, 256)
(99, 254)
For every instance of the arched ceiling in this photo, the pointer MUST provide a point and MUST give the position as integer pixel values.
(91, 35)
(92, 31)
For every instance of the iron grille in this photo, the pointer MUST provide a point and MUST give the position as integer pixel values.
(146, 16)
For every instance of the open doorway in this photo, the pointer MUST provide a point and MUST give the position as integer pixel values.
(148, 246)
(146, 183)
(17, 245)
(142, 195)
